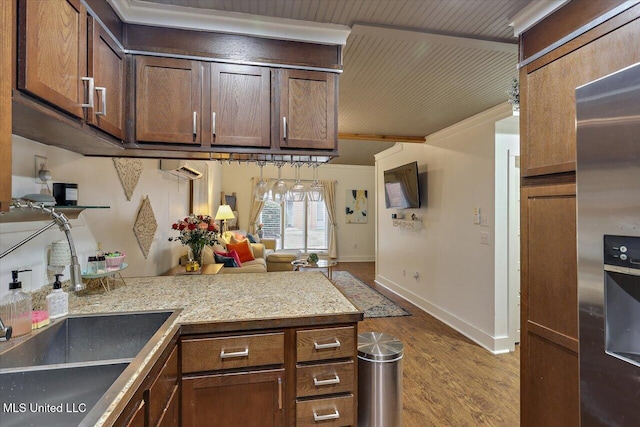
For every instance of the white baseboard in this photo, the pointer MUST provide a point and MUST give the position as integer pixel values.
(496, 345)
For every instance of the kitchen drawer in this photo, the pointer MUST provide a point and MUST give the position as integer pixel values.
(210, 354)
(325, 378)
(331, 412)
(161, 389)
(323, 344)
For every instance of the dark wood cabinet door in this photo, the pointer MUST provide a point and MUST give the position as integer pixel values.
(106, 66)
(308, 101)
(548, 111)
(241, 399)
(168, 100)
(53, 52)
(549, 360)
(240, 105)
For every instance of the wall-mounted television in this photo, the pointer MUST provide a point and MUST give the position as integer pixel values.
(401, 188)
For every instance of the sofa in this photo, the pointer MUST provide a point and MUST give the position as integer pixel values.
(258, 265)
(266, 257)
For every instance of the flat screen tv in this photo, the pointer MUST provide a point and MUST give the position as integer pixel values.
(401, 189)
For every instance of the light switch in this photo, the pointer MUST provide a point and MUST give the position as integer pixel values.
(476, 215)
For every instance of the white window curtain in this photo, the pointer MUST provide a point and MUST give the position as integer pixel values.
(330, 203)
(256, 207)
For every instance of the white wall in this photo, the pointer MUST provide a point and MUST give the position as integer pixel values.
(98, 184)
(355, 241)
(456, 279)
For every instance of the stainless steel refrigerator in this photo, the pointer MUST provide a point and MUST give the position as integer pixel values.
(608, 201)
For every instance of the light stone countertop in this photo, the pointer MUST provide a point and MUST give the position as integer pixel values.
(222, 297)
(209, 299)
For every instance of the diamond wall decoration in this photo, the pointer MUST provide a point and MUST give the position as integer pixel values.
(129, 171)
(145, 226)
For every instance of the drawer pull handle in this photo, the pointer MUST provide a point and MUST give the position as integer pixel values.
(243, 353)
(90, 92)
(318, 383)
(103, 91)
(335, 344)
(333, 416)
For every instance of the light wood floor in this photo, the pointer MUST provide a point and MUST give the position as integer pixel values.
(448, 380)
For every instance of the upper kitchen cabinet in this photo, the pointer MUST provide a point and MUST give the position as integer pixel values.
(106, 66)
(547, 90)
(168, 101)
(52, 52)
(240, 105)
(307, 110)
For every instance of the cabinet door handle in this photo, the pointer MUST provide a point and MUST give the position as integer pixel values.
(195, 123)
(103, 91)
(333, 416)
(213, 124)
(319, 383)
(284, 127)
(243, 353)
(279, 393)
(90, 103)
(334, 344)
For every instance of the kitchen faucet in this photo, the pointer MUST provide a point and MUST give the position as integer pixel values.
(62, 222)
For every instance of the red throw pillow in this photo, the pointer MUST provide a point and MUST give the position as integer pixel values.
(232, 254)
(243, 249)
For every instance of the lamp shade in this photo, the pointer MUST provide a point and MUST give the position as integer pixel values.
(60, 255)
(224, 212)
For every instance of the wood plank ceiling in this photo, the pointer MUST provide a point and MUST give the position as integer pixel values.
(401, 77)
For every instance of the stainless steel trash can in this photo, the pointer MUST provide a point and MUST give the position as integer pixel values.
(379, 380)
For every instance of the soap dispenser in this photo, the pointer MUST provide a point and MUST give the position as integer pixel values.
(57, 300)
(15, 308)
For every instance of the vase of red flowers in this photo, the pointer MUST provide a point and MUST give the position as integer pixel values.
(196, 232)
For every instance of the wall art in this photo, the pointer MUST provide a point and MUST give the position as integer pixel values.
(356, 207)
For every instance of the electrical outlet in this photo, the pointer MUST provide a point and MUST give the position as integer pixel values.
(40, 164)
(484, 237)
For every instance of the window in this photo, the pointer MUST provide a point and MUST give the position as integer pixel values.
(296, 225)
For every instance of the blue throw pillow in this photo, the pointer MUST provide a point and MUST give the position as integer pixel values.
(251, 238)
(225, 260)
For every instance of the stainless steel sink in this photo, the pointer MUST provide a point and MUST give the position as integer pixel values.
(86, 339)
(30, 397)
(69, 373)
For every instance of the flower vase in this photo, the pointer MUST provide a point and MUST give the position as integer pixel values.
(196, 253)
(260, 233)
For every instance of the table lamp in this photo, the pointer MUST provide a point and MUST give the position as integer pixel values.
(224, 213)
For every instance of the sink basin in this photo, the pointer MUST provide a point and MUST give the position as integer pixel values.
(70, 372)
(86, 339)
(72, 391)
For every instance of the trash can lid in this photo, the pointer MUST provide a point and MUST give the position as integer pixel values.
(378, 346)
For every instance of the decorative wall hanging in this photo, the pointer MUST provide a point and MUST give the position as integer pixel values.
(356, 210)
(129, 171)
(145, 226)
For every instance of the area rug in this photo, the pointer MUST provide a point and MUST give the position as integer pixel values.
(367, 299)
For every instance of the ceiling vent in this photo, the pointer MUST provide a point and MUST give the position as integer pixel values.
(180, 168)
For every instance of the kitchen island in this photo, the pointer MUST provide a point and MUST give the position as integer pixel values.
(269, 336)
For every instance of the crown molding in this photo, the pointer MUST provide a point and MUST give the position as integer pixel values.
(532, 14)
(171, 16)
(433, 38)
